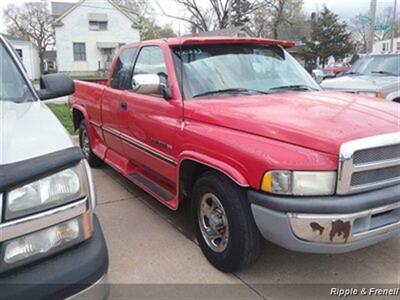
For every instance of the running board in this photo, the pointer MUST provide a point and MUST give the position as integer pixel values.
(155, 188)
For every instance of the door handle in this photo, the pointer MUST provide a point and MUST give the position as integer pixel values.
(123, 105)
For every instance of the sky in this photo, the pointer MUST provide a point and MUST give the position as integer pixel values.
(346, 9)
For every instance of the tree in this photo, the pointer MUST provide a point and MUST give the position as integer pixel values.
(215, 14)
(33, 21)
(329, 37)
(360, 31)
(148, 26)
(240, 13)
(283, 13)
(386, 17)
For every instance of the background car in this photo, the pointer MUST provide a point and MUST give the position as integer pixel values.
(376, 76)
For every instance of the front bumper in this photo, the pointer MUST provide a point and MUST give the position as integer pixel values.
(327, 224)
(76, 272)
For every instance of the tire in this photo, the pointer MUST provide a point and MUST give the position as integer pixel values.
(242, 241)
(86, 147)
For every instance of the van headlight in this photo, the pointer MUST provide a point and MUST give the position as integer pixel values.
(299, 183)
(52, 191)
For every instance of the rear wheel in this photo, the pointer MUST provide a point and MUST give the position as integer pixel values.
(223, 223)
(84, 142)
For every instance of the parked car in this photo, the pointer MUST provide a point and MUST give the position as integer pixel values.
(51, 242)
(375, 76)
(335, 69)
(237, 128)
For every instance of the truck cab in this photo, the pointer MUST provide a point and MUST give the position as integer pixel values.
(51, 242)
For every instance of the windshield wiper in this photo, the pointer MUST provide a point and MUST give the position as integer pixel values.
(228, 91)
(295, 87)
(352, 73)
(384, 73)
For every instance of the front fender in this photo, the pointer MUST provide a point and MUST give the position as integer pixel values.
(216, 164)
(393, 95)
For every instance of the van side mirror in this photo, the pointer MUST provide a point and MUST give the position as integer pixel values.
(318, 75)
(150, 84)
(55, 85)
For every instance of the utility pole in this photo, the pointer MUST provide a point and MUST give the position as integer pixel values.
(394, 27)
(372, 16)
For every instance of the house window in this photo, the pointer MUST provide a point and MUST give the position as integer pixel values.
(383, 46)
(98, 25)
(19, 52)
(398, 46)
(79, 51)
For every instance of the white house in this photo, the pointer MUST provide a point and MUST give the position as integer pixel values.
(28, 53)
(385, 46)
(88, 33)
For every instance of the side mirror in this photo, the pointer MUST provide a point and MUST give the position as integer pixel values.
(318, 75)
(55, 85)
(150, 84)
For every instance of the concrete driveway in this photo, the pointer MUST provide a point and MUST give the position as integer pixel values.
(154, 248)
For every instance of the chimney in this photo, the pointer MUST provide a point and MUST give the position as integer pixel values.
(194, 30)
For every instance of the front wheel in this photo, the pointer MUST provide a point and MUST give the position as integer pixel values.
(86, 147)
(223, 223)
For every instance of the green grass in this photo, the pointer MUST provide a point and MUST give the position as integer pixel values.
(62, 113)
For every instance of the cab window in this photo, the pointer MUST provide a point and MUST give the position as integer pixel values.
(151, 61)
(122, 70)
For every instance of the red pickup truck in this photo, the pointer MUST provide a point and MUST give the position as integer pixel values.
(236, 127)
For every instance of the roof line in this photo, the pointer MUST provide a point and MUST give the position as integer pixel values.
(77, 4)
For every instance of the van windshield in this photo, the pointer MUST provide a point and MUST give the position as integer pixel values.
(221, 70)
(378, 65)
(13, 86)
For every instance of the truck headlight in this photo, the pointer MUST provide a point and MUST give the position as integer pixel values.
(42, 243)
(299, 183)
(54, 190)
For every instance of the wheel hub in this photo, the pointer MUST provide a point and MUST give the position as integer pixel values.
(213, 222)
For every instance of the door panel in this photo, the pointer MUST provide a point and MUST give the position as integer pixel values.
(150, 122)
(113, 100)
(111, 118)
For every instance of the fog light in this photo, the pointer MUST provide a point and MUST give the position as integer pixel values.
(43, 242)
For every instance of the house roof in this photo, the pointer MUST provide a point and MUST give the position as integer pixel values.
(69, 10)
(59, 8)
(14, 38)
(229, 31)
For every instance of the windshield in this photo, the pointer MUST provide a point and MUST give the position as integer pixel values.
(13, 87)
(377, 65)
(218, 70)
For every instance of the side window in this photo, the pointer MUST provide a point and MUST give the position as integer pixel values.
(151, 61)
(79, 51)
(122, 69)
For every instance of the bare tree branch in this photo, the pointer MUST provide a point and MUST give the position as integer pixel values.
(32, 20)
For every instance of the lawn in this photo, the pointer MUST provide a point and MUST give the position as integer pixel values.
(62, 113)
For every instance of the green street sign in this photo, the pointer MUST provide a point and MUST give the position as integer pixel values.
(382, 27)
(365, 19)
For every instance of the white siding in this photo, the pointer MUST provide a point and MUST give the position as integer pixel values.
(385, 46)
(76, 29)
(30, 57)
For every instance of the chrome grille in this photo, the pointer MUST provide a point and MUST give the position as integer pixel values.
(369, 163)
(376, 175)
(376, 154)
